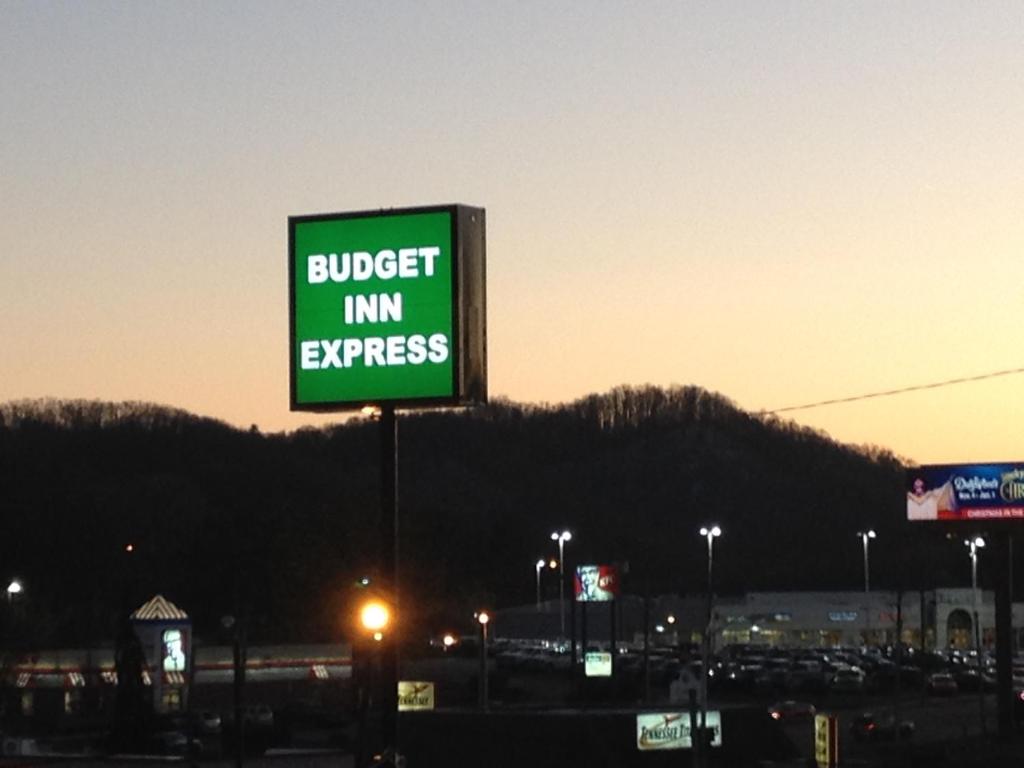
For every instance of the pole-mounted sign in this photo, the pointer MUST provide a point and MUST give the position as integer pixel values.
(388, 307)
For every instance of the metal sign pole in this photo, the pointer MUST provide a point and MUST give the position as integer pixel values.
(389, 571)
(1004, 638)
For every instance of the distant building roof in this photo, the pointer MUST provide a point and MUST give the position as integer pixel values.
(159, 609)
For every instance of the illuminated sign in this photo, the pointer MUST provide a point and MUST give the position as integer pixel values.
(842, 615)
(597, 664)
(387, 307)
(415, 696)
(173, 643)
(826, 741)
(965, 492)
(596, 583)
(671, 730)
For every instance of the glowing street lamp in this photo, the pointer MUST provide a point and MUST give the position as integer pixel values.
(561, 538)
(973, 546)
(710, 533)
(539, 566)
(865, 537)
(375, 617)
(483, 618)
(14, 588)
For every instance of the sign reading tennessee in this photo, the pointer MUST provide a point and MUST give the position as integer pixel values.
(387, 307)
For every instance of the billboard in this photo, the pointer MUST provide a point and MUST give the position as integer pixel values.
(415, 696)
(596, 583)
(387, 307)
(173, 643)
(671, 730)
(597, 664)
(965, 492)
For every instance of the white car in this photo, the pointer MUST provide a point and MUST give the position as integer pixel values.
(849, 680)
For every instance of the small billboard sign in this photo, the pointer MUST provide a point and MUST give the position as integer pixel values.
(415, 696)
(597, 664)
(671, 730)
(965, 492)
(596, 583)
(826, 741)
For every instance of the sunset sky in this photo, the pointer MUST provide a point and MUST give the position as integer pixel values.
(784, 202)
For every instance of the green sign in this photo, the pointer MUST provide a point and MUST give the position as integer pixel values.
(387, 307)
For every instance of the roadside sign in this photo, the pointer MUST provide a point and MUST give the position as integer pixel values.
(415, 696)
(671, 730)
(387, 307)
(826, 741)
(598, 664)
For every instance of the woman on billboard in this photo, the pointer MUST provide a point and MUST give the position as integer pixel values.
(923, 504)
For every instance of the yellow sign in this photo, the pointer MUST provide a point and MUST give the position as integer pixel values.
(415, 695)
(826, 741)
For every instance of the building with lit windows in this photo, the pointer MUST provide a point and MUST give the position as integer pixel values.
(943, 618)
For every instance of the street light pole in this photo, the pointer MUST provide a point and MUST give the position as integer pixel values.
(561, 538)
(538, 567)
(865, 537)
(710, 533)
(483, 618)
(974, 545)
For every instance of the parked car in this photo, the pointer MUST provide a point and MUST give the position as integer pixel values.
(807, 675)
(1018, 706)
(871, 727)
(968, 679)
(941, 684)
(773, 674)
(206, 722)
(173, 743)
(884, 678)
(849, 680)
(790, 711)
(258, 722)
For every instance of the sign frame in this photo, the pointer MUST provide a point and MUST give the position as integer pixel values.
(965, 493)
(606, 583)
(826, 740)
(468, 342)
(404, 692)
(681, 740)
(597, 664)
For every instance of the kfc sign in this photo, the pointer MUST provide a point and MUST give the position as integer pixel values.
(596, 583)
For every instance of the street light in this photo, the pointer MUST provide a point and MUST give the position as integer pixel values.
(973, 546)
(539, 566)
(375, 617)
(865, 537)
(709, 533)
(14, 588)
(484, 619)
(561, 538)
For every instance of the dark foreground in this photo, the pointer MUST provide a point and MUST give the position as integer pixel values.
(599, 739)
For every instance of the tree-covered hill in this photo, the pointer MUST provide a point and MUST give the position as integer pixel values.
(275, 527)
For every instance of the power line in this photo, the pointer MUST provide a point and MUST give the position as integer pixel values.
(890, 392)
